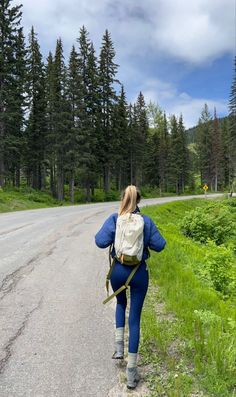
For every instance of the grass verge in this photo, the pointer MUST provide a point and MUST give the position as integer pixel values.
(188, 328)
(24, 198)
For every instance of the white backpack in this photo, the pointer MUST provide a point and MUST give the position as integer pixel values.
(129, 238)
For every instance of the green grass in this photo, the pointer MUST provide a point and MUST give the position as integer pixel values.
(191, 341)
(24, 198)
(15, 199)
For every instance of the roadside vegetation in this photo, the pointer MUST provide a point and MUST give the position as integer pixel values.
(25, 197)
(189, 319)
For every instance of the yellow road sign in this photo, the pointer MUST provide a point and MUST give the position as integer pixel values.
(205, 187)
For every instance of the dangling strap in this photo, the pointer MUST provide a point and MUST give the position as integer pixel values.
(125, 286)
(111, 263)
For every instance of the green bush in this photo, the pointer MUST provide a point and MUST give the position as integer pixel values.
(37, 198)
(213, 222)
(113, 195)
(219, 263)
(231, 202)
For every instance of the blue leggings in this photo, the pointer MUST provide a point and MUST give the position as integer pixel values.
(138, 289)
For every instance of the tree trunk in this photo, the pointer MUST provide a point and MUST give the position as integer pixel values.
(88, 192)
(177, 187)
(52, 185)
(106, 178)
(14, 177)
(2, 168)
(43, 177)
(52, 178)
(135, 175)
(39, 182)
(35, 177)
(60, 187)
(216, 182)
(18, 175)
(182, 185)
(28, 177)
(60, 182)
(72, 188)
(131, 168)
(119, 179)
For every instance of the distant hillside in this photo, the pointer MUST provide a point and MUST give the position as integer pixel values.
(192, 132)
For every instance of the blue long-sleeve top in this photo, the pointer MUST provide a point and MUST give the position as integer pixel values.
(152, 237)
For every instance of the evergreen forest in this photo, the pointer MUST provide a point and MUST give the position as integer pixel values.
(67, 124)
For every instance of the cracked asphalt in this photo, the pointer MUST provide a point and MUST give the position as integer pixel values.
(56, 337)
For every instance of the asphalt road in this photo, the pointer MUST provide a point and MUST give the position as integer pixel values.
(56, 337)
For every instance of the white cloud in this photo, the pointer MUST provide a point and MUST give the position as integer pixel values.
(195, 31)
(174, 102)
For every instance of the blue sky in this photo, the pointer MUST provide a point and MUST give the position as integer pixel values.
(178, 53)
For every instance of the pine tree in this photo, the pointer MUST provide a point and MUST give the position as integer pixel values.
(10, 19)
(157, 149)
(120, 141)
(151, 158)
(50, 152)
(61, 116)
(72, 138)
(163, 155)
(204, 145)
(108, 98)
(232, 127)
(183, 156)
(175, 144)
(226, 150)
(15, 131)
(216, 154)
(152, 147)
(94, 112)
(131, 140)
(141, 137)
(88, 110)
(36, 124)
(178, 155)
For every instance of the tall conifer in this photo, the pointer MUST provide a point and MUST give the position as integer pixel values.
(120, 142)
(61, 116)
(50, 136)
(10, 19)
(232, 127)
(36, 123)
(141, 137)
(88, 111)
(72, 151)
(108, 97)
(204, 145)
(216, 155)
(16, 108)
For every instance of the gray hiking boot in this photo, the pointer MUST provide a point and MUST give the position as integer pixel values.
(132, 377)
(119, 350)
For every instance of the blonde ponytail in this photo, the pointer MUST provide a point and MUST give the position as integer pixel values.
(130, 199)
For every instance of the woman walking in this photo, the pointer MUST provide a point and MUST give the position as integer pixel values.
(151, 238)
